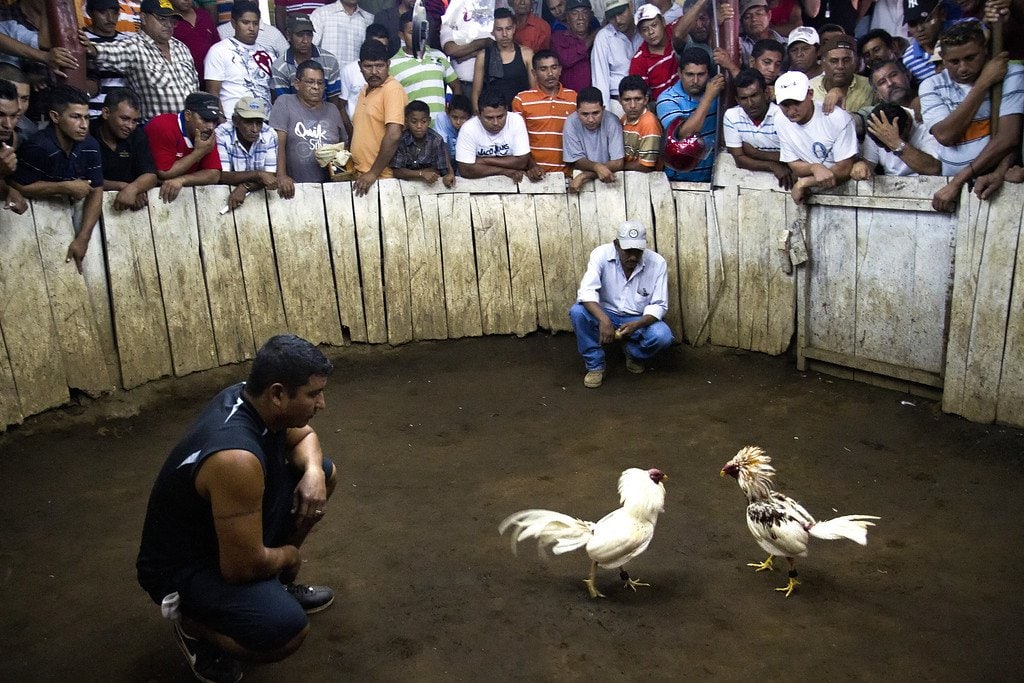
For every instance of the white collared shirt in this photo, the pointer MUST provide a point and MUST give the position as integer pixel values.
(645, 292)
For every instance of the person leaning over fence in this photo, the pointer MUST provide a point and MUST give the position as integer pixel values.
(184, 147)
(11, 198)
(623, 296)
(379, 118)
(304, 123)
(820, 149)
(422, 154)
(592, 141)
(247, 146)
(128, 165)
(893, 84)
(63, 161)
(544, 110)
(749, 129)
(229, 511)
(897, 145)
(495, 142)
(641, 131)
(956, 105)
(694, 99)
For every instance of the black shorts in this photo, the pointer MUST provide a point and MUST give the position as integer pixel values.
(260, 616)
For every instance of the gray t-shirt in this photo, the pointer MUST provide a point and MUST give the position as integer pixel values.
(602, 145)
(307, 130)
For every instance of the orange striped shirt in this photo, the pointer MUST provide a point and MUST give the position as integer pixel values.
(545, 117)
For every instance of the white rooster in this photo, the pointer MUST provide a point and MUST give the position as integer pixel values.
(613, 541)
(780, 525)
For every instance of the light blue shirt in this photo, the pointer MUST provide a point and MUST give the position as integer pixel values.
(644, 293)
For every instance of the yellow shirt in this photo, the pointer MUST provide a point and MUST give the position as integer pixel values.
(375, 109)
(858, 95)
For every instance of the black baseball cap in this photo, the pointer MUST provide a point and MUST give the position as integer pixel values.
(161, 8)
(100, 5)
(916, 11)
(204, 104)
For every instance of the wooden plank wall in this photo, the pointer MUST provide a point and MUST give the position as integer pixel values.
(186, 287)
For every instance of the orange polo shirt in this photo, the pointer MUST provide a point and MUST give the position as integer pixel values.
(545, 117)
(374, 110)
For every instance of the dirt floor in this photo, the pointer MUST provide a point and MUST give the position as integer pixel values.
(437, 442)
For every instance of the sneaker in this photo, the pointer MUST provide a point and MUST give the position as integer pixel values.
(207, 662)
(634, 366)
(593, 379)
(312, 598)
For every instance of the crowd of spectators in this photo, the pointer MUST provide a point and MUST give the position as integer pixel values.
(194, 92)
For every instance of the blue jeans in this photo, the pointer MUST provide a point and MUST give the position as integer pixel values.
(642, 345)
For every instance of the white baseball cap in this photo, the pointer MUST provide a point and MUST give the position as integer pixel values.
(792, 85)
(632, 235)
(803, 34)
(646, 12)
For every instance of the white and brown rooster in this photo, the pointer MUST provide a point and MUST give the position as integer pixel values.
(780, 525)
(611, 542)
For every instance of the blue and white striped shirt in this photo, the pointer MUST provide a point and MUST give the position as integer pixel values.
(738, 128)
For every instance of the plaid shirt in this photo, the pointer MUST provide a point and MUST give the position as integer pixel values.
(338, 32)
(234, 157)
(430, 155)
(161, 85)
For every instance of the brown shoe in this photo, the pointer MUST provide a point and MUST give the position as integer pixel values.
(593, 379)
(634, 366)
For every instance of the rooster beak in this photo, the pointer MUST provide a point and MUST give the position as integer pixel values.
(721, 472)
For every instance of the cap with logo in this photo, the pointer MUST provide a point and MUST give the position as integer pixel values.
(750, 4)
(803, 34)
(578, 4)
(204, 104)
(792, 85)
(100, 5)
(252, 108)
(161, 8)
(916, 11)
(632, 235)
(614, 8)
(840, 42)
(646, 12)
(300, 22)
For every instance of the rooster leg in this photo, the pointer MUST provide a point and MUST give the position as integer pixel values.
(793, 583)
(589, 582)
(761, 566)
(630, 583)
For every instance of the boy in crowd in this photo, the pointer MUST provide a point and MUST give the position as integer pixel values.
(641, 131)
(749, 129)
(449, 122)
(925, 21)
(236, 66)
(423, 78)
(421, 153)
(592, 141)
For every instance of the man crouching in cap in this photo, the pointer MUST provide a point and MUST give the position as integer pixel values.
(623, 296)
(184, 147)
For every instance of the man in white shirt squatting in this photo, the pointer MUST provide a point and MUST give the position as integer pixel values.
(623, 296)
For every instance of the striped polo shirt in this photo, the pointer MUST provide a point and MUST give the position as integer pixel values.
(642, 140)
(737, 128)
(918, 62)
(545, 117)
(424, 79)
(660, 71)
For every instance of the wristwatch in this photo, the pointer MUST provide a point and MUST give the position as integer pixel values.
(901, 149)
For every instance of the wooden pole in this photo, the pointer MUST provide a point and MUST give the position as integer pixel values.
(997, 89)
(63, 24)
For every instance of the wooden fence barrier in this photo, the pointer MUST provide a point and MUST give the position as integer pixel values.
(181, 287)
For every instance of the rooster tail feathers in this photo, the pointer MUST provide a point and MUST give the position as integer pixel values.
(562, 532)
(851, 527)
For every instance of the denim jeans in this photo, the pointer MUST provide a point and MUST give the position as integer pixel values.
(642, 345)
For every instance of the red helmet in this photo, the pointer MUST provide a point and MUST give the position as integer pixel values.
(682, 154)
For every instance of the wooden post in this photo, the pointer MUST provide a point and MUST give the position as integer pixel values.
(63, 24)
(997, 89)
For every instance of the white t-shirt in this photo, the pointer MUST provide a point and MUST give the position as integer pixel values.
(269, 38)
(738, 128)
(463, 67)
(826, 139)
(352, 83)
(920, 139)
(243, 70)
(474, 140)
